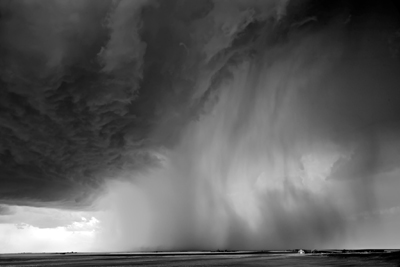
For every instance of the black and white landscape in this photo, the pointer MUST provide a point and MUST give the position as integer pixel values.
(199, 125)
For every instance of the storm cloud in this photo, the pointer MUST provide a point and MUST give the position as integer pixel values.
(87, 86)
(208, 112)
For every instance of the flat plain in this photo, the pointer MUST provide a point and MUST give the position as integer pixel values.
(253, 258)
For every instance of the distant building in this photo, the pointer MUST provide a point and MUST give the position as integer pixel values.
(301, 251)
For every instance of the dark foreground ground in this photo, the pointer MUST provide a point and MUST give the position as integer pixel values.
(263, 258)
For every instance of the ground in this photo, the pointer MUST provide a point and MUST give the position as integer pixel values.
(377, 258)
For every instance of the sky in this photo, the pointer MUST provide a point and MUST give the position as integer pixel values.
(199, 125)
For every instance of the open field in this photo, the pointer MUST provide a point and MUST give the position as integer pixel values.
(353, 258)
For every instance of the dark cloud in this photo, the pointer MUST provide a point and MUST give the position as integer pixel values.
(91, 90)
